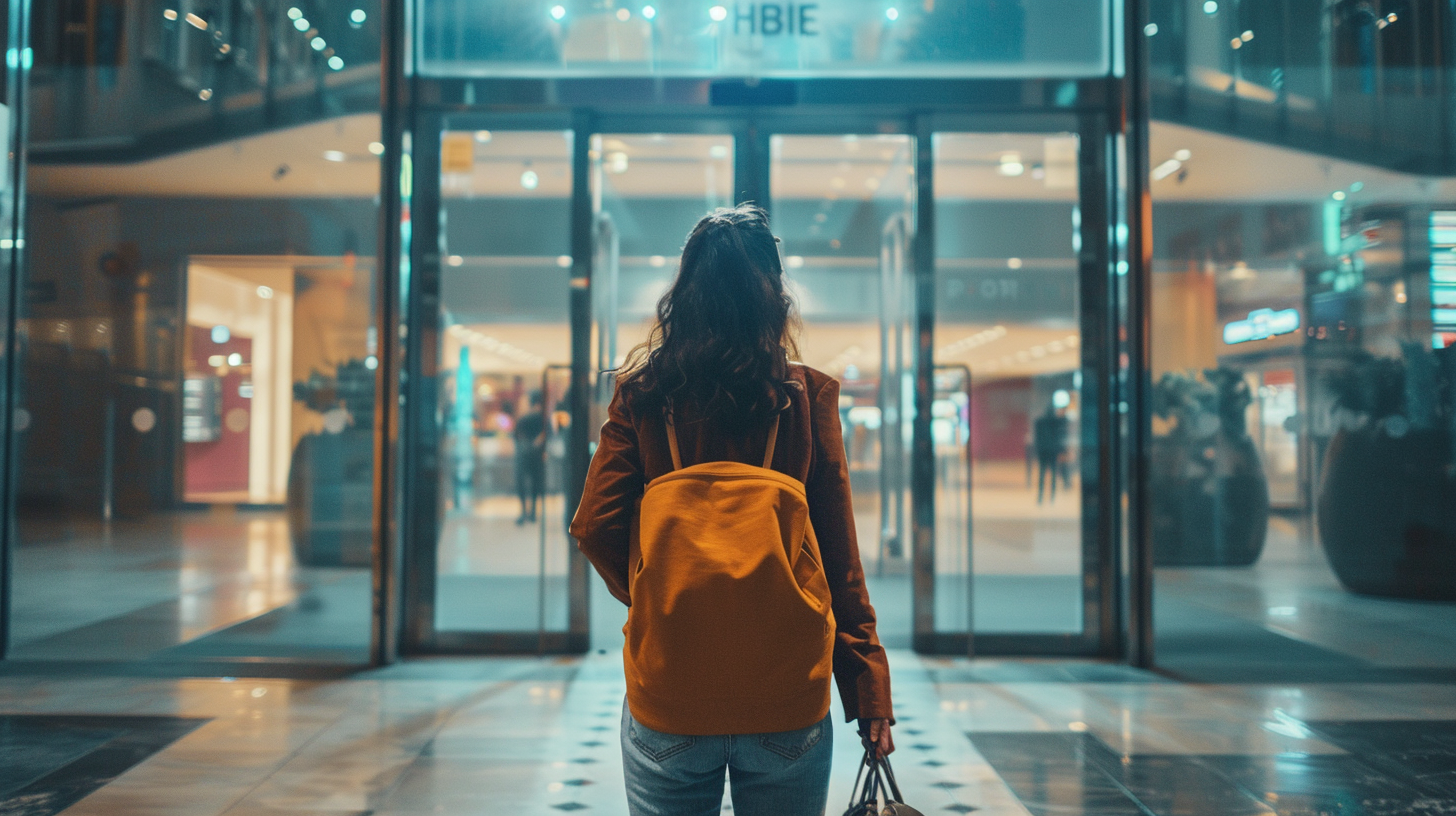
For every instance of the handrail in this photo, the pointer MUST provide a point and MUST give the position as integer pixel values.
(965, 371)
(549, 425)
(894, 245)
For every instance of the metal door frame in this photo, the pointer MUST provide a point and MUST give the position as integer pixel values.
(822, 107)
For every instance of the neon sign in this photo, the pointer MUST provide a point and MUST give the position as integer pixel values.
(1261, 324)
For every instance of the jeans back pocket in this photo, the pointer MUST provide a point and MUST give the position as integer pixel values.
(656, 745)
(793, 744)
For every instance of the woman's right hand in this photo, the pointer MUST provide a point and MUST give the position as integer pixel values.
(877, 733)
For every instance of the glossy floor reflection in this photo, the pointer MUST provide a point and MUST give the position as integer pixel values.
(1287, 619)
(456, 736)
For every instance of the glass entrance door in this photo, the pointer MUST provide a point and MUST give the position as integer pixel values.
(490, 561)
(843, 206)
(1016, 444)
(647, 192)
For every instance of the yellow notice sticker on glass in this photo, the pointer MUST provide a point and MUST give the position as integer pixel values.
(457, 153)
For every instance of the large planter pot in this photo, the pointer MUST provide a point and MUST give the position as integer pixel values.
(330, 499)
(1210, 501)
(1387, 512)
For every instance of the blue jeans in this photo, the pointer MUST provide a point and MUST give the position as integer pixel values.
(780, 774)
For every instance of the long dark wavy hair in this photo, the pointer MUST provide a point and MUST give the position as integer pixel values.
(725, 329)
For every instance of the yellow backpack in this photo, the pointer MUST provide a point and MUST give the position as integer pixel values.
(730, 629)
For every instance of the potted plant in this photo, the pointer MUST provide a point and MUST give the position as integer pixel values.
(1387, 499)
(1209, 495)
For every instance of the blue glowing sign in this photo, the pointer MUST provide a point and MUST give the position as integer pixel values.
(1261, 324)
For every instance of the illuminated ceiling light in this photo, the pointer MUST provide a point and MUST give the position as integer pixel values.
(1151, 29)
(216, 360)
(892, 14)
(235, 359)
(336, 63)
(318, 43)
(1011, 165)
(357, 16)
(1013, 263)
(1183, 155)
(617, 162)
(220, 334)
(718, 152)
(795, 261)
(482, 136)
(1338, 195)
(301, 24)
(1357, 186)
(225, 48)
(377, 148)
(1210, 7)
(558, 13)
(1236, 43)
(1166, 169)
(295, 13)
(657, 260)
(455, 260)
(648, 12)
(1246, 36)
(204, 94)
(169, 14)
(265, 292)
(623, 15)
(335, 155)
(563, 261)
(718, 14)
(529, 180)
(196, 22)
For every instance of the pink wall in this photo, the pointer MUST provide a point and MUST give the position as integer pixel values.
(215, 467)
(1000, 419)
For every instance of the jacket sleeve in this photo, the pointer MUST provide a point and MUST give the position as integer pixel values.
(603, 522)
(860, 668)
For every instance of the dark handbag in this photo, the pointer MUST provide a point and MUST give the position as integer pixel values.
(875, 780)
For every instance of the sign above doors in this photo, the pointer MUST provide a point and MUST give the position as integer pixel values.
(765, 38)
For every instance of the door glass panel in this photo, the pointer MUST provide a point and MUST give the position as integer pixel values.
(844, 207)
(1006, 307)
(502, 375)
(648, 190)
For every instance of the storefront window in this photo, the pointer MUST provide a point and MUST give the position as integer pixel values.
(193, 429)
(1304, 408)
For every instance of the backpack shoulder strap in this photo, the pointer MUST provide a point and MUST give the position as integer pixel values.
(672, 442)
(672, 446)
(773, 439)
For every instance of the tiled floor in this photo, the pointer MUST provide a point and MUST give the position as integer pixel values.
(540, 736)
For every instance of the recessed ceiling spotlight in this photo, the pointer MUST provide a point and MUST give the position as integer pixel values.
(1183, 155)
(335, 155)
(558, 13)
(529, 180)
(718, 14)
(1338, 195)
(377, 148)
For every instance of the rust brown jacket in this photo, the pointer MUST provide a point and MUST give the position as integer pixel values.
(634, 450)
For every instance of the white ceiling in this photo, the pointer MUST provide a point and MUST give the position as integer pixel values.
(292, 163)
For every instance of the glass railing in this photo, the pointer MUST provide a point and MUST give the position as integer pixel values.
(164, 75)
(1362, 80)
